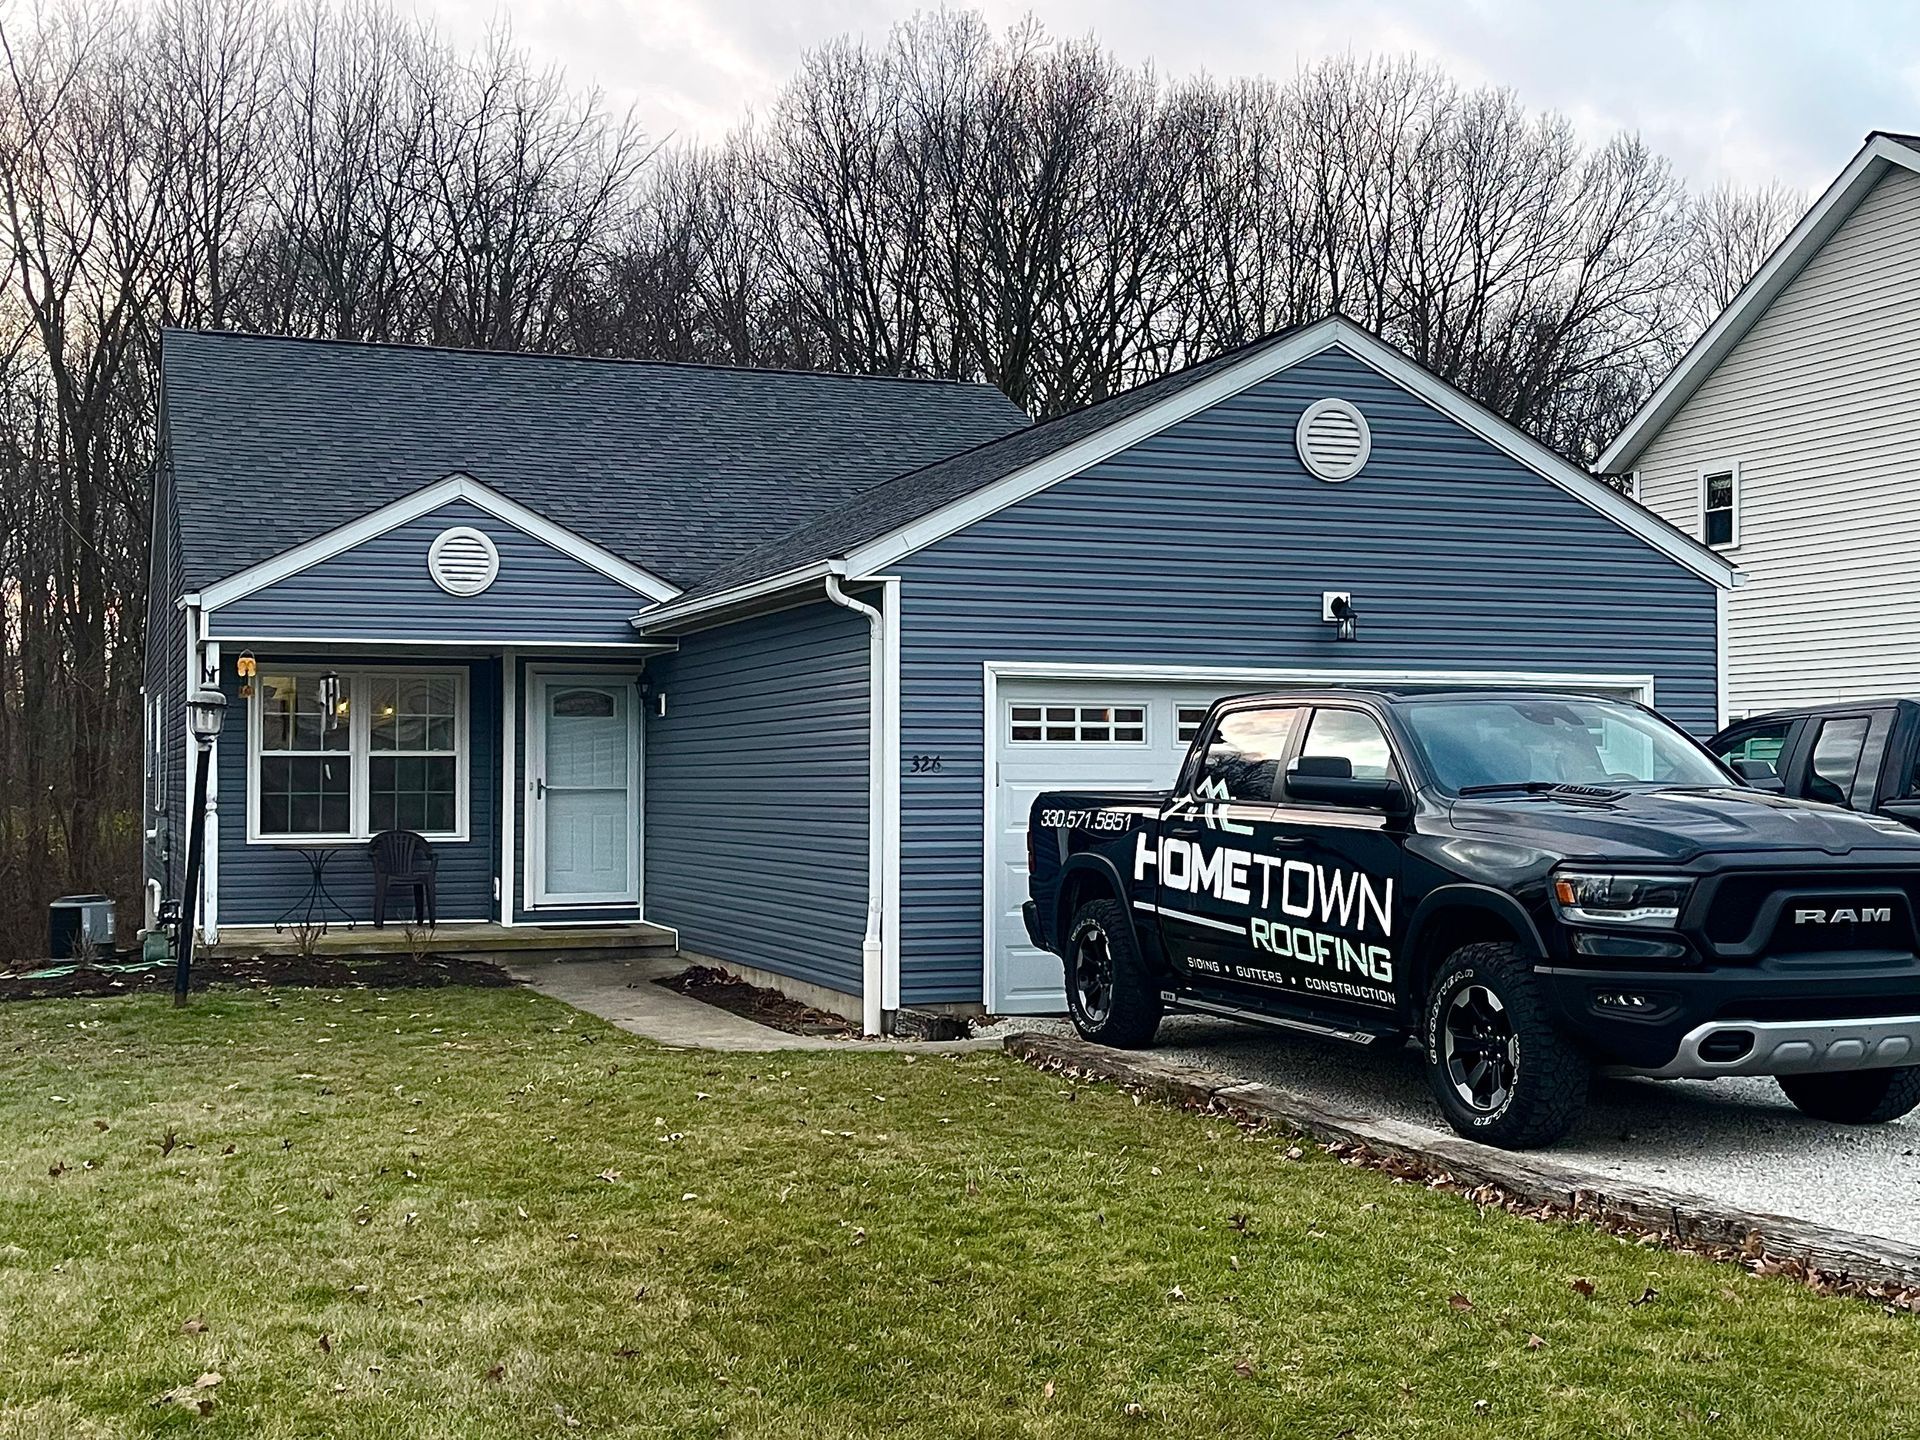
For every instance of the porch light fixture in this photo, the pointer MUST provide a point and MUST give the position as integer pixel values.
(206, 712)
(1336, 609)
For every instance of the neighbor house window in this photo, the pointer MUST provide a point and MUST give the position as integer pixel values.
(345, 754)
(1720, 506)
(1189, 719)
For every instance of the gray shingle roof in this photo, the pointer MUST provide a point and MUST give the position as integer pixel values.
(901, 501)
(679, 469)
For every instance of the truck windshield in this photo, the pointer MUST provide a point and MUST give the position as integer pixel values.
(1490, 743)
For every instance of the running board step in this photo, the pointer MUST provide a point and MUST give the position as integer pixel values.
(1193, 1006)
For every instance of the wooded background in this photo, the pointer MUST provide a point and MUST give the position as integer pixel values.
(952, 201)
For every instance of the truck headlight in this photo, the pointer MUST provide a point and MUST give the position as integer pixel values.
(1585, 898)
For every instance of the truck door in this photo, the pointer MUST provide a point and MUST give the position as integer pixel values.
(1203, 877)
(1331, 931)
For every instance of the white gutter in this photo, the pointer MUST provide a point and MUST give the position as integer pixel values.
(676, 612)
(873, 947)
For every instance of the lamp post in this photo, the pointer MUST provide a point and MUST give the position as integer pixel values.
(206, 709)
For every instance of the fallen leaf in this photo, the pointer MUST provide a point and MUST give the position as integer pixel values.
(1534, 1342)
(101, 1125)
(57, 1169)
(1585, 1287)
(325, 1344)
(1244, 1369)
(1046, 1391)
(194, 1325)
(1647, 1297)
(1481, 1407)
(1176, 1293)
(1233, 1262)
(1133, 1410)
(167, 1143)
(610, 1176)
(495, 1374)
(1294, 1152)
(1459, 1301)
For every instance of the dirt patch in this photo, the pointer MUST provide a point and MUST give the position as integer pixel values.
(754, 1002)
(386, 972)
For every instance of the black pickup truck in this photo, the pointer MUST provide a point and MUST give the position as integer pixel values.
(1530, 884)
(1864, 755)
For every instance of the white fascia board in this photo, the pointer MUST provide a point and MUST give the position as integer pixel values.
(879, 553)
(1838, 201)
(674, 616)
(1596, 494)
(421, 502)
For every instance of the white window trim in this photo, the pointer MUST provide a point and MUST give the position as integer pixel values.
(357, 682)
(1079, 707)
(1192, 732)
(1730, 467)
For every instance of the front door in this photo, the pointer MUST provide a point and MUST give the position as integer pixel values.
(583, 763)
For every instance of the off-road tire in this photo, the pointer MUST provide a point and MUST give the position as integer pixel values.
(1548, 1076)
(1855, 1097)
(1132, 1013)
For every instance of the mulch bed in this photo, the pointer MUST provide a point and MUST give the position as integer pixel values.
(753, 1002)
(387, 972)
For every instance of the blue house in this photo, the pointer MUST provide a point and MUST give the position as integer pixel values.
(774, 662)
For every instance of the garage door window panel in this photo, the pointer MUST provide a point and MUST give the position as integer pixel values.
(1073, 724)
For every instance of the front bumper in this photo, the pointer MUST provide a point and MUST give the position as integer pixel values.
(1792, 1047)
(1800, 1013)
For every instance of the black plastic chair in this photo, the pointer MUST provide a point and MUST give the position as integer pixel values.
(401, 857)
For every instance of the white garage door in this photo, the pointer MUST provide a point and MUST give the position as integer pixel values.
(1094, 734)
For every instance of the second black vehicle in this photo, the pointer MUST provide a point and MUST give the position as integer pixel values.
(1529, 884)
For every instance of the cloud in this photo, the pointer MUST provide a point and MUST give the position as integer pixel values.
(1774, 90)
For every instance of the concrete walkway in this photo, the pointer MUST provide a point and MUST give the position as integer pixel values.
(623, 993)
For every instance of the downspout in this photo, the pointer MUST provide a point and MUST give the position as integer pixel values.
(873, 947)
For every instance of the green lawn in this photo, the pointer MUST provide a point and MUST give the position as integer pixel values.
(466, 1212)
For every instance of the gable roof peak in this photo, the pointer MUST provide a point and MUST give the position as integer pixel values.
(1883, 151)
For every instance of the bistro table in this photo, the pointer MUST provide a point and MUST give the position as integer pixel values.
(318, 899)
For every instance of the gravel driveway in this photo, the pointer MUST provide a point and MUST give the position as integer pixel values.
(1738, 1140)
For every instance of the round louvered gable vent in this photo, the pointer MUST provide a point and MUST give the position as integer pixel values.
(463, 561)
(1333, 440)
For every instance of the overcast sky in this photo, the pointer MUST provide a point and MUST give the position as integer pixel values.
(1750, 92)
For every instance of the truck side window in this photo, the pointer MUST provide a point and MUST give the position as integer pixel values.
(1756, 742)
(1353, 736)
(1243, 755)
(1836, 758)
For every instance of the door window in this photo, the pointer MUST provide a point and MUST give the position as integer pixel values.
(1352, 736)
(1836, 759)
(1756, 742)
(1243, 755)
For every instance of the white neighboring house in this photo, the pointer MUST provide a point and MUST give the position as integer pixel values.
(1789, 439)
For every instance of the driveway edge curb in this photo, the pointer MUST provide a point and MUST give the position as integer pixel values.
(1528, 1183)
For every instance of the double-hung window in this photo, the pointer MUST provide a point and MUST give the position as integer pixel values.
(343, 755)
(1720, 506)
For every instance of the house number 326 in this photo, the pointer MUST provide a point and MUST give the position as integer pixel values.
(923, 764)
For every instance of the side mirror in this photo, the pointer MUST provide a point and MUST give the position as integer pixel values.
(1760, 775)
(1329, 779)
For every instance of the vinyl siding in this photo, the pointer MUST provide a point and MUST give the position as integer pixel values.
(1209, 544)
(1816, 406)
(380, 590)
(164, 795)
(756, 809)
(258, 882)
